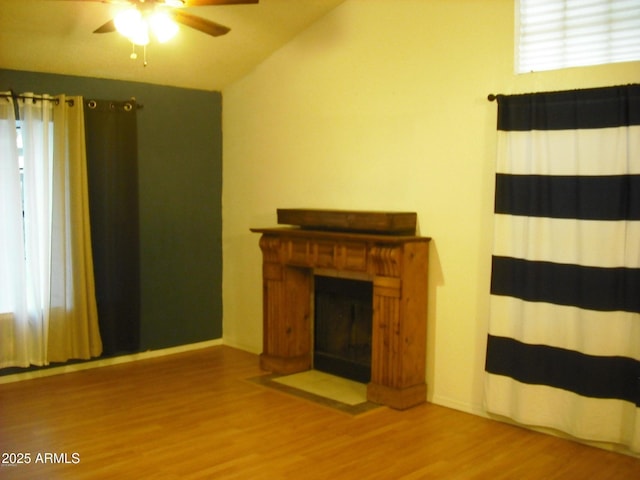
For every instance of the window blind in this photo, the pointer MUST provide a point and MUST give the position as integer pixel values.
(553, 34)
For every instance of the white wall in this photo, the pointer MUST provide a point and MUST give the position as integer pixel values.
(382, 105)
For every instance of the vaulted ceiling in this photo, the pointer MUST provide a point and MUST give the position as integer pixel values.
(55, 36)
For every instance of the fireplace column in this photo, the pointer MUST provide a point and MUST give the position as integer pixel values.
(286, 312)
(399, 325)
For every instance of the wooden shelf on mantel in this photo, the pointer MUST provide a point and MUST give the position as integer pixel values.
(398, 223)
(396, 265)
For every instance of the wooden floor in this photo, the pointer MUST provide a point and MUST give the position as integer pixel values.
(194, 415)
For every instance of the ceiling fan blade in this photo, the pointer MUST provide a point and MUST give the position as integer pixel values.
(204, 3)
(108, 27)
(100, 1)
(187, 3)
(199, 23)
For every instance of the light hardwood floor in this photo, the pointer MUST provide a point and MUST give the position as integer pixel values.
(195, 416)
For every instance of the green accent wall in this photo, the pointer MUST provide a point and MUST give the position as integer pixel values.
(180, 188)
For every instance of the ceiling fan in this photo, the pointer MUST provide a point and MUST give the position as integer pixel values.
(139, 17)
(171, 9)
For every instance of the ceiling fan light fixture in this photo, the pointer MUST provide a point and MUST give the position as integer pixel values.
(128, 21)
(141, 36)
(163, 26)
(131, 24)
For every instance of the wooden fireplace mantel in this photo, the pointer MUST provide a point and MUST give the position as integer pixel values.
(397, 267)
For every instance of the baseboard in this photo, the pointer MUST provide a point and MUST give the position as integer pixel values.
(481, 412)
(105, 362)
(230, 342)
(457, 405)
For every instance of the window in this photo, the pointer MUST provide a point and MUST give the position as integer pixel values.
(553, 34)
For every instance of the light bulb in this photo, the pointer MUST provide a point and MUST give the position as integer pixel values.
(131, 24)
(127, 21)
(141, 35)
(163, 26)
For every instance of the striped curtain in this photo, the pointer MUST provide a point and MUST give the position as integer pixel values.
(563, 348)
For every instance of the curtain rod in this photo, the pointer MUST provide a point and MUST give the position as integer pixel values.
(493, 96)
(33, 97)
(43, 98)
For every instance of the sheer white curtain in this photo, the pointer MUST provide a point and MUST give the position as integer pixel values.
(14, 323)
(47, 296)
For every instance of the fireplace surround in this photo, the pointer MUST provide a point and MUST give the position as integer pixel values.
(377, 247)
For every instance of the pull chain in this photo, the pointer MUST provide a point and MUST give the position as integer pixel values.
(134, 55)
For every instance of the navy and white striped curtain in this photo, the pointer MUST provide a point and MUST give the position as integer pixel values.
(563, 348)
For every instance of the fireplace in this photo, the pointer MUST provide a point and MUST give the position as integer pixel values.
(342, 320)
(373, 248)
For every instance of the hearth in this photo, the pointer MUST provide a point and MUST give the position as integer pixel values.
(377, 248)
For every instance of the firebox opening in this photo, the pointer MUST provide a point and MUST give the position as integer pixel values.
(342, 327)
